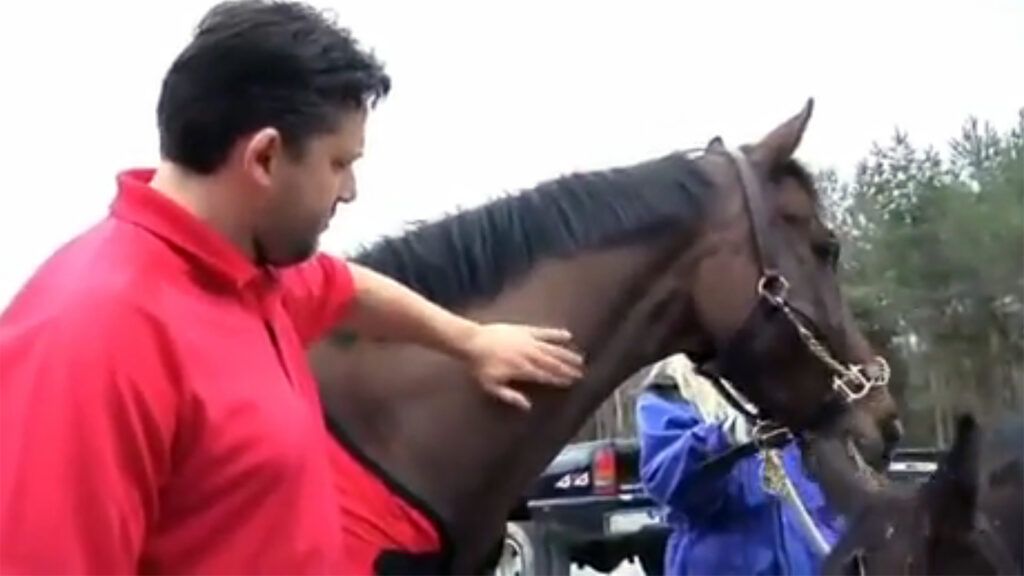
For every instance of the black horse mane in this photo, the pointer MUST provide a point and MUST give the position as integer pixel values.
(475, 253)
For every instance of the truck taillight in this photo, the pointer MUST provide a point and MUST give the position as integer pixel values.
(604, 471)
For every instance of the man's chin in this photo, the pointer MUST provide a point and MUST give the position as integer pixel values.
(295, 256)
(308, 252)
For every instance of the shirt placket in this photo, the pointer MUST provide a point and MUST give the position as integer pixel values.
(271, 312)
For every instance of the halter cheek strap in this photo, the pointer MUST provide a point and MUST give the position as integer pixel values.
(756, 211)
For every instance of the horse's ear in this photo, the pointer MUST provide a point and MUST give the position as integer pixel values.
(780, 144)
(716, 143)
(952, 493)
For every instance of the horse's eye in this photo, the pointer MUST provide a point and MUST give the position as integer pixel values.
(828, 251)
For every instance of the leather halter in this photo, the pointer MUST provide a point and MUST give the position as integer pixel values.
(757, 213)
(773, 306)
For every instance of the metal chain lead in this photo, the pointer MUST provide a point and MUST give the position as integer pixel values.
(775, 481)
(848, 377)
(774, 287)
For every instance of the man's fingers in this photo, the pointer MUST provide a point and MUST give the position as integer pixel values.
(553, 356)
(555, 335)
(529, 369)
(572, 361)
(510, 396)
(553, 370)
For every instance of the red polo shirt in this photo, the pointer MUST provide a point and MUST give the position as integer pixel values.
(156, 408)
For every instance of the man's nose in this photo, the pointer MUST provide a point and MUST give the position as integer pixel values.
(347, 194)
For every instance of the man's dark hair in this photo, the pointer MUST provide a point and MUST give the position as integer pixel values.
(258, 63)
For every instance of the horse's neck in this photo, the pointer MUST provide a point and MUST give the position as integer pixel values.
(618, 307)
(610, 301)
(582, 294)
(467, 455)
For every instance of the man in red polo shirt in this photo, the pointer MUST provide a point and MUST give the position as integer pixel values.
(156, 410)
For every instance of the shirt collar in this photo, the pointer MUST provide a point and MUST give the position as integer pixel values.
(140, 204)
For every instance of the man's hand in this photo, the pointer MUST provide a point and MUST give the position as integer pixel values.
(497, 353)
(501, 353)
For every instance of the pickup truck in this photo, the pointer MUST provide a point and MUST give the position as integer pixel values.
(589, 508)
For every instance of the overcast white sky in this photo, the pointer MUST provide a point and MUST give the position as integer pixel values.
(492, 97)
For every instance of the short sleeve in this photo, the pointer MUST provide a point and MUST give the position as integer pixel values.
(317, 295)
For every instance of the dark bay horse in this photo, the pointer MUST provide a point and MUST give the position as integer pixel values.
(721, 255)
(968, 518)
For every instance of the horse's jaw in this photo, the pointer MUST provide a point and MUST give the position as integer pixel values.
(848, 481)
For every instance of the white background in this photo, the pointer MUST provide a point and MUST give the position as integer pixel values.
(492, 97)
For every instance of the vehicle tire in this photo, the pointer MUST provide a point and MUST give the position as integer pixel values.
(527, 550)
(600, 555)
(604, 564)
(652, 559)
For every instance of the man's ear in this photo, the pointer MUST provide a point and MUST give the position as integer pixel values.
(262, 150)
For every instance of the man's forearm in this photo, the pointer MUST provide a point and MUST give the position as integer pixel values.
(388, 310)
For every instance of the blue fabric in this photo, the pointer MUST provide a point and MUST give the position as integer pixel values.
(729, 524)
